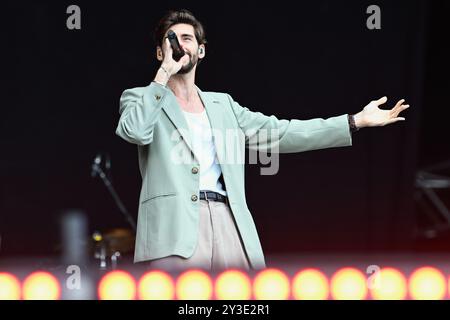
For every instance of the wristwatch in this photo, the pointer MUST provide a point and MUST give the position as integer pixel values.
(351, 123)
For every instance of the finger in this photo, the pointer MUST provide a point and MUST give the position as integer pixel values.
(395, 120)
(403, 107)
(168, 47)
(184, 59)
(381, 100)
(397, 108)
(396, 111)
(397, 105)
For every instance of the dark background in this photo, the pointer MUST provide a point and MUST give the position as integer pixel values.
(303, 60)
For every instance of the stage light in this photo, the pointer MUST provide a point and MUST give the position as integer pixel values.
(271, 284)
(194, 285)
(117, 285)
(427, 283)
(233, 285)
(156, 285)
(348, 284)
(448, 286)
(9, 287)
(310, 284)
(390, 284)
(41, 285)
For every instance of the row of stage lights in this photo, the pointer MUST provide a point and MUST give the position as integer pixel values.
(269, 284)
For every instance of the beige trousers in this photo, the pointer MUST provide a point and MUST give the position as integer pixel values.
(219, 245)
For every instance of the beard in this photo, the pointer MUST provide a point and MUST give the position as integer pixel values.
(193, 60)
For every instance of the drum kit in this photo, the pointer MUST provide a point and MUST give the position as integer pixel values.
(112, 245)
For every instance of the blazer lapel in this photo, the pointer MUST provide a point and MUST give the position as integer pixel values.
(175, 114)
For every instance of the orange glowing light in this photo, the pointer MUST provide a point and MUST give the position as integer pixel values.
(427, 283)
(156, 285)
(271, 284)
(310, 284)
(233, 285)
(194, 285)
(41, 285)
(348, 284)
(117, 285)
(9, 287)
(390, 284)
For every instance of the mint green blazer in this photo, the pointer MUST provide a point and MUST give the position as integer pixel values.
(168, 216)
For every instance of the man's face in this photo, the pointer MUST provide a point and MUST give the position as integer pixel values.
(189, 44)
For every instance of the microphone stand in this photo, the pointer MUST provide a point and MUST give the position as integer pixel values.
(97, 170)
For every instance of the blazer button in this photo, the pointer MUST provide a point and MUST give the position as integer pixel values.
(157, 97)
(194, 170)
(194, 197)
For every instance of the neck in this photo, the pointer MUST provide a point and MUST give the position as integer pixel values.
(183, 85)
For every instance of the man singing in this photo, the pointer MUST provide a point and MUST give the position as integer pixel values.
(193, 214)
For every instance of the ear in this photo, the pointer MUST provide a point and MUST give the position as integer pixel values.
(159, 53)
(201, 51)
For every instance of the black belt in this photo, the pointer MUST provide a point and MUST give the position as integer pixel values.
(213, 196)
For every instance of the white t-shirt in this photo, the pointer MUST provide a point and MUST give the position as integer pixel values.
(205, 151)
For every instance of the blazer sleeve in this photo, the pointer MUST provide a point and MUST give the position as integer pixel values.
(140, 109)
(267, 133)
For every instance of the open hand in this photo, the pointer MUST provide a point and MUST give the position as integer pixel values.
(373, 116)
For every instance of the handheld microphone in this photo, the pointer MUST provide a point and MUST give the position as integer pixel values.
(178, 53)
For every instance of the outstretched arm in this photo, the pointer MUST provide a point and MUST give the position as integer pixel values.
(268, 133)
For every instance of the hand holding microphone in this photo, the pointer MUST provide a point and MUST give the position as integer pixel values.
(178, 52)
(174, 55)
